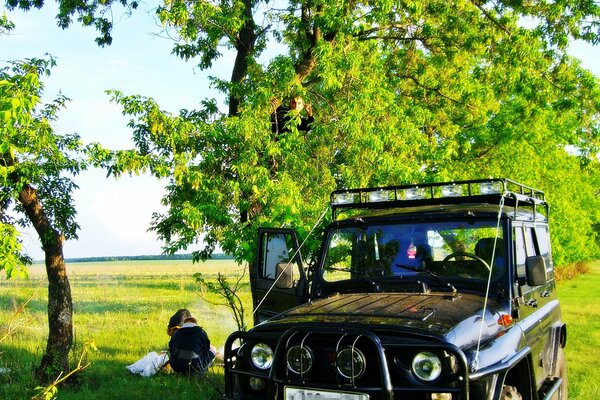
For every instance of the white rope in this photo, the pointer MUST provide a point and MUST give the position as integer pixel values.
(290, 261)
(475, 364)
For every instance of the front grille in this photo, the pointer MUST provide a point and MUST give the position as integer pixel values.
(387, 370)
(387, 363)
(325, 346)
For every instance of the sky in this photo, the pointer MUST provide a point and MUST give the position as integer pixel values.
(114, 214)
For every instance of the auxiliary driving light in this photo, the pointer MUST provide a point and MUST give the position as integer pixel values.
(415, 193)
(299, 359)
(350, 363)
(262, 356)
(379, 196)
(451, 191)
(490, 187)
(257, 384)
(344, 198)
(427, 366)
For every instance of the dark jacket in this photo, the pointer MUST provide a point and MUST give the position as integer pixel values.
(189, 350)
(280, 118)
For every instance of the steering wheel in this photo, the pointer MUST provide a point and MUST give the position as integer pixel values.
(465, 254)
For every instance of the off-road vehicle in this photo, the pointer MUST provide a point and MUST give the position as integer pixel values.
(440, 291)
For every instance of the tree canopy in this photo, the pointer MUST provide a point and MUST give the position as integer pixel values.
(401, 92)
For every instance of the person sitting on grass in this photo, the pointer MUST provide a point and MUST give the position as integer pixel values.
(190, 351)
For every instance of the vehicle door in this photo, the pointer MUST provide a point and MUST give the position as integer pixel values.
(281, 281)
(535, 319)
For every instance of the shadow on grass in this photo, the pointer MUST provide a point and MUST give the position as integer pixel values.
(105, 379)
(110, 380)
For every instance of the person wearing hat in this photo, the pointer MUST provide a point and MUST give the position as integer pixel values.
(190, 351)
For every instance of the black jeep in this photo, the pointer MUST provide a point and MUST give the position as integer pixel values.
(438, 291)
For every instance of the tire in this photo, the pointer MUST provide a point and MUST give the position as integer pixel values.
(561, 371)
(510, 393)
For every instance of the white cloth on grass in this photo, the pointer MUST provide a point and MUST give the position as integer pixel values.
(150, 364)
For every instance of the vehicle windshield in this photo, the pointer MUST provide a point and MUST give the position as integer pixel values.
(458, 252)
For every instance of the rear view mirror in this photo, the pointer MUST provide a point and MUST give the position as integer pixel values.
(285, 275)
(536, 270)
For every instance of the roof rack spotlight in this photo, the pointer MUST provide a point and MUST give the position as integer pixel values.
(344, 198)
(381, 195)
(414, 193)
(452, 190)
(493, 187)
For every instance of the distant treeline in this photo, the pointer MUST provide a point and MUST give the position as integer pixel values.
(219, 256)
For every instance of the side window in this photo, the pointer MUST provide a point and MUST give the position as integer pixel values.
(541, 233)
(543, 243)
(530, 242)
(277, 248)
(520, 252)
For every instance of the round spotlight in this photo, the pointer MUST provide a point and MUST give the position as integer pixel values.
(350, 363)
(257, 383)
(299, 359)
(427, 366)
(262, 356)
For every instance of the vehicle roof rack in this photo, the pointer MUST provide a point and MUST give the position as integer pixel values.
(489, 191)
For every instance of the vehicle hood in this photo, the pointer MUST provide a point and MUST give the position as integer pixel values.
(454, 318)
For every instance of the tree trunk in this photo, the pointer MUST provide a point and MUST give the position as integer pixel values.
(245, 48)
(244, 45)
(60, 304)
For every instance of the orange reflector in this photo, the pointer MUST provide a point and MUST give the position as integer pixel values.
(505, 320)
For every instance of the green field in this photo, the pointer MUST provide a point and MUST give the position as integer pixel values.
(580, 299)
(123, 307)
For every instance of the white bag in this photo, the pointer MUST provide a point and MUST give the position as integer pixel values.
(150, 364)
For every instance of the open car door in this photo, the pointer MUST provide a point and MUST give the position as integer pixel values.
(281, 281)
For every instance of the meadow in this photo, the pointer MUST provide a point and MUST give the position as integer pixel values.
(123, 308)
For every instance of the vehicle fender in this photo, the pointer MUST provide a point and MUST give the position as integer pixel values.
(499, 354)
(557, 340)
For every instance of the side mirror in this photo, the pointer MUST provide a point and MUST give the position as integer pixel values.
(536, 270)
(285, 274)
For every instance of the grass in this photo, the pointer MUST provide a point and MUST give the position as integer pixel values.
(124, 308)
(580, 302)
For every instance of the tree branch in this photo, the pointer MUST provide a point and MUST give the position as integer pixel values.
(435, 90)
(493, 20)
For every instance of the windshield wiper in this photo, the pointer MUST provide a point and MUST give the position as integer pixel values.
(360, 275)
(433, 275)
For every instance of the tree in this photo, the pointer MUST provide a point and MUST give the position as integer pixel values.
(401, 92)
(5, 25)
(35, 163)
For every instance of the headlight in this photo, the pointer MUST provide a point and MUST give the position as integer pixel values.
(262, 356)
(299, 359)
(427, 366)
(350, 363)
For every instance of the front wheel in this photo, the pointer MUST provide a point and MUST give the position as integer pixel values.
(510, 393)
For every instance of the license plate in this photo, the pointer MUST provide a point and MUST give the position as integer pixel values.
(292, 393)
